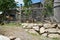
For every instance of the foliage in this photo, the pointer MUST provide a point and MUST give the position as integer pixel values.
(48, 7)
(27, 12)
(27, 3)
(7, 4)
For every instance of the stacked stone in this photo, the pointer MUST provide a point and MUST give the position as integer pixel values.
(47, 29)
(31, 28)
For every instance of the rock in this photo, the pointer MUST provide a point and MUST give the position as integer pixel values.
(36, 27)
(48, 25)
(32, 31)
(54, 25)
(40, 25)
(29, 26)
(58, 25)
(4, 37)
(51, 30)
(45, 34)
(42, 30)
(26, 29)
(58, 31)
(12, 37)
(35, 24)
(53, 35)
(17, 39)
(24, 25)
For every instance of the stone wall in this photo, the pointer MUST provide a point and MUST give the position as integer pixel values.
(51, 30)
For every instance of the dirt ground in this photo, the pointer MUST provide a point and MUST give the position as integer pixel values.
(19, 32)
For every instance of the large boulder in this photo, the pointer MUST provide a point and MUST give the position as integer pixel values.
(42, 30)
(34, 24)
(12, 37)
(58, 31)
(49, 25)
(51, 30)
(45, 34)
(36, 27)
(17, 39)
(53, 35)
(32, 31)
(40, 25)
(26, 30)
(4, 37)
(28, 26)
(24, 25)
(59, 26)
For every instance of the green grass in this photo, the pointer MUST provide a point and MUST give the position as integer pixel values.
(56, 38)
(12, 25)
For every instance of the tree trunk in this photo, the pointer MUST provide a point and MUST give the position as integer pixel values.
(57, 10)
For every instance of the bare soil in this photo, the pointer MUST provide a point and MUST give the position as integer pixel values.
(19, 32)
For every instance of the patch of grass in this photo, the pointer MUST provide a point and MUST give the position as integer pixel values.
(12, 25)
(56, 38)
